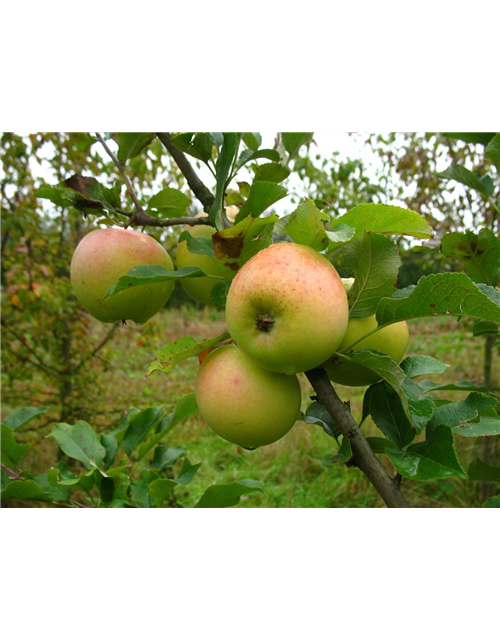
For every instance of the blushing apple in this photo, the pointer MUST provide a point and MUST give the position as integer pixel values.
(391, 340)
(244, 403)
(199, 289)
(287, 308)
(106, 254)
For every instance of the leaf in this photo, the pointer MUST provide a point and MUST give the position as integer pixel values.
(247, 155)
(338, 234)
(385, 219)
(379, 445)
(293, 142)
(227, 495)
(237, 244)
(187, 472)
(271, 172)
(12, 452)
(164, 457)
(479, 253)
(22, 416)
(483, 328)
(130, 145)
(185, 347)
(110, 444)
(217, 139)
(197, 145)
(479, 470)
(201, 246)
(317, 414)
(25, 490)
(421, 408)
(260, 197)
(494, 502)
(433, 459)
(79, 441)
(139, 488)
(222, 170)
(374, 260)
(82, 192)
(306, 226)
(169, 202)
(388, 414)
(252, 140)
(148, 274)
(474, 138)
(160, 489)
(455, 414)
(344, 454)
(487, 426)
(463, 385)
(415, 366)
(139, 427)
(492, 151)
(219, 293)
(439, 294)
(58, 493)
(464, 176)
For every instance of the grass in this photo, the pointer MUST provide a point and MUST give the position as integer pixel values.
(293, 470)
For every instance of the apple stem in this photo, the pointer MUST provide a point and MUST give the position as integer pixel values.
(364, 457)
(264, 323)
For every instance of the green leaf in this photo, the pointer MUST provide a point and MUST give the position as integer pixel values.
(187, 472)
(58, 493)
(271, 172)
(139, 488)
(252, 140)
(344, 454)
(479, 470)
(22, 416)
(106, 486)
(197, 145)
(338, 234)
(484, 327)
(139, 427)
(415, 366)
(306, 226)
(474, 138)
(379, 445)
(164, 457)
(479, 253)
(487, 426)
(317, 414)
(463, 385)
(82, 192)
(439, 294)
(160, 489)
(492, 151)
(388, 414)
(222, 170)
(492, 502)
(79, 441)
(293, 142)
(12, 452)
(464, 176)
(385, 219)
(25, 490)
(260, 197)
(237, 244)
(456, 414)
(374, 260)
(110, 444)
(185, 347)
(130, 145)
(170, 203)
(247, 155)
(200, 246)
(227, 495)
(219, 293)
(421, 408)
(433, 459)
(147, 274)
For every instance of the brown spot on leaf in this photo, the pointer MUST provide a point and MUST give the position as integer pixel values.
(432, 305)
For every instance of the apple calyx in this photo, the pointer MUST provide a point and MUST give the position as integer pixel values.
(264, 323)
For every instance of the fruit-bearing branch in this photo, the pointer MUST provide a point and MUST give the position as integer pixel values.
(364, 457)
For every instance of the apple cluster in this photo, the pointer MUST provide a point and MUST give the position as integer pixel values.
(287, 312)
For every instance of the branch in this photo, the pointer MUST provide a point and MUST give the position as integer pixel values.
(12, 473)
(203, 194)
(366, 460)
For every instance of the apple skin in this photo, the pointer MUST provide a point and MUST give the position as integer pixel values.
(104, 255)
(243, 403)
(287, 308)
(391, 340)
(200, 289)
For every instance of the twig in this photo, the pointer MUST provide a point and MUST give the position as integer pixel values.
(202, 193)
(13, 473)
(366, 460)
(103, 342)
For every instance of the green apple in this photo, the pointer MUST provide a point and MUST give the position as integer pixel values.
(287, 308)
(244, 403)
(199, 289)
(391, 340)
(106, 254)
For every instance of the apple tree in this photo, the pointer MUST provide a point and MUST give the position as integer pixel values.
(418, 429)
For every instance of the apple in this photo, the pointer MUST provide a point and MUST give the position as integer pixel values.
(231, 213)
(244, 403)
(200, 289)
(287, 308)
(391, 340)
(106, 254)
